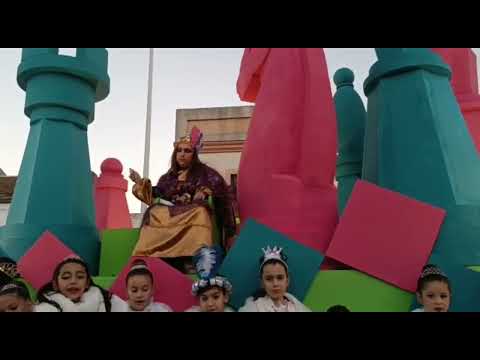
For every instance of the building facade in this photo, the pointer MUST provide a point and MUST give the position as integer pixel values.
(224, 133)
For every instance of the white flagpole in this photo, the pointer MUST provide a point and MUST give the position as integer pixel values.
(146, 160)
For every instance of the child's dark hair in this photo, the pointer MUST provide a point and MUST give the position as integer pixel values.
(139, 267)
(338, 308)
(16, 288)
(272, 261)
(429, 274)
(49, 287)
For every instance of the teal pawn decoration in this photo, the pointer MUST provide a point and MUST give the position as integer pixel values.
(351, 118)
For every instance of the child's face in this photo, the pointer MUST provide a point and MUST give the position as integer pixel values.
(140, 292)
(14, 303)
(275, 281)
(435, 297)
(213, 300)
(72, 281)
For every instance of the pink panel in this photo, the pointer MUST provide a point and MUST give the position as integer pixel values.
(386, 235)
(39, 262)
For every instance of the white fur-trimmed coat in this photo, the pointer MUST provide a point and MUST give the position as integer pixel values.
(91, 301)
(197, 309)
(265, 304)
(152, 307)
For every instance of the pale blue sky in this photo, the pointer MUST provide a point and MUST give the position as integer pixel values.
(183, 78)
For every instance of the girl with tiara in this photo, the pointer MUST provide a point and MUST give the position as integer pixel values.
(273, 296)
(15, 297)
(9, 273)
(433, 290)
(213, 291)
(73, 290)
(140, 289)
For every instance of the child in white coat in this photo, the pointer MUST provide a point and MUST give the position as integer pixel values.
(273, 296)
(72, 290)
(140, 289)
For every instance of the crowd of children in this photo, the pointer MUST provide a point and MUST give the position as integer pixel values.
(72, 288)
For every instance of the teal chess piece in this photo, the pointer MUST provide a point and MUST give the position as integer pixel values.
(351, 119)
(417, 144)
(54, 189)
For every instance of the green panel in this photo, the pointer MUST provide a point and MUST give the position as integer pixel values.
(116, 249)
(105, 282)
(31, 290)
(356, 291)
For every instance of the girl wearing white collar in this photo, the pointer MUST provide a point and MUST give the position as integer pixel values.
(273, 297)
(73, 290)
(140, 289)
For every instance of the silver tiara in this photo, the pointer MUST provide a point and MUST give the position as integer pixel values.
(9, 287)
(273, 254)
(219, 281)
(72, 257)
(432, 271)
(138, 267)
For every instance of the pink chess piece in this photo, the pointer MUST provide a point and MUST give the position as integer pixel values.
(110, 200)
(287, 167)
(463, 62)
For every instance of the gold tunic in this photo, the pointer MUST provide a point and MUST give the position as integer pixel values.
(168, 236)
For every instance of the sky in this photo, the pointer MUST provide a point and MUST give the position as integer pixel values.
(183, 79)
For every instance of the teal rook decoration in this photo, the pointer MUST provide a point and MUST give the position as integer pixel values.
(54, 188)
(417, 143)
(351, 118)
